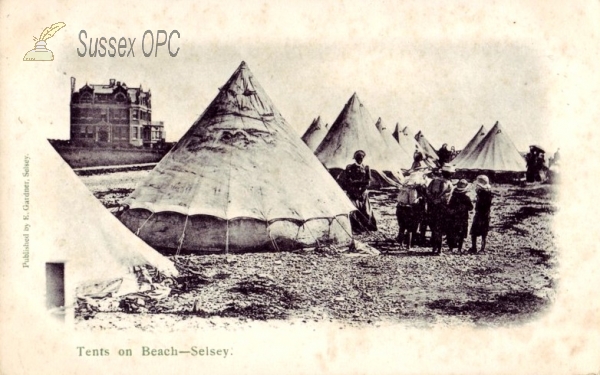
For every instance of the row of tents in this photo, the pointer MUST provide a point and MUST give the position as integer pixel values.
(488, 151)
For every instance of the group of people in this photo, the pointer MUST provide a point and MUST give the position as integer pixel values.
(435, 204)
(444, 208)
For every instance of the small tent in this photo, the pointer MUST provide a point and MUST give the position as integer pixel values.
(240, 179)
(471, 145)
(353, 130)
(73, 230)
(315, 133)
(426, 146)
(392, 144)
(495, 152)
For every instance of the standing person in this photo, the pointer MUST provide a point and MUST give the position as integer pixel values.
(483, 206)
(409, 208)
(540, 167)
(417, 159)
(444, 155)
(458, 224)
(556, 158)
(531, 160)
(356, 180)
(453, 153)
(438, 193)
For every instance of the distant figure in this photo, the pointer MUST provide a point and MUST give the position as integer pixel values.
(457, 226)
(357, 177)
(483, 206)
(444, 155)
(410, 208)
(418, 158)
(540, 167)
(453, 153)
(438, 193)
(532, 160)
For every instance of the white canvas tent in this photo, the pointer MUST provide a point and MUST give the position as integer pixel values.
(78, 231)
(426, 146)
(315, 133)
(353, 130)
(495, 152)
(471, 145)
(406, 158)
(240, 179)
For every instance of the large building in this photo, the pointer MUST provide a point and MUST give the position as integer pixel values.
(114, 114)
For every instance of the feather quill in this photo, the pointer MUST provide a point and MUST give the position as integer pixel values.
(50, 31)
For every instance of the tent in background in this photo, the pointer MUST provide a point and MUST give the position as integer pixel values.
(495, 153)
(406, 157)
(240, 179)
(353, 130)
(315, 133)
(426, 146)
(464, 153)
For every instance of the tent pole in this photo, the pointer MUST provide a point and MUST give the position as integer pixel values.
(227, 238)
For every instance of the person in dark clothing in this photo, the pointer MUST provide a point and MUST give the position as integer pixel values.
(458, 216)
(356, 180)
(531, 160)
(444, 155)
(438, 195)
(418, 158)
(483, 206)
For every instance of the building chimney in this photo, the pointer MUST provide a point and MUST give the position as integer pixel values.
(112, 82)
(72, 85)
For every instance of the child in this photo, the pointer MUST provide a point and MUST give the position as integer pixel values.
(458, 219)
(481, 221)
(408, 210)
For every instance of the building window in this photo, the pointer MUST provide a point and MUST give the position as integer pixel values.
(134, 133)
(135, 114)
(86, 98)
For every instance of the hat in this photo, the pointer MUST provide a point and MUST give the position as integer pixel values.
(448, 168)
(483, 182)
(359, 152)
(462, 186)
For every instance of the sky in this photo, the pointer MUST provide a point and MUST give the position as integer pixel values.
(444, 70)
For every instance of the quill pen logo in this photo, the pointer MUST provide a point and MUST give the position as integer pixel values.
(40, 52)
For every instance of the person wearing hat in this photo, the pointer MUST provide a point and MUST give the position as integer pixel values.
(459, 206)
(483, 206)
(438, 195)
(357, 177)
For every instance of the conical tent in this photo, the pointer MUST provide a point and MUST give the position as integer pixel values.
(426, 146)
(407, 141)
(495, 152)
(391, 143)
(240, 179)
(353, 130)
(315, 133)
(464, 153)
(78, 231)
